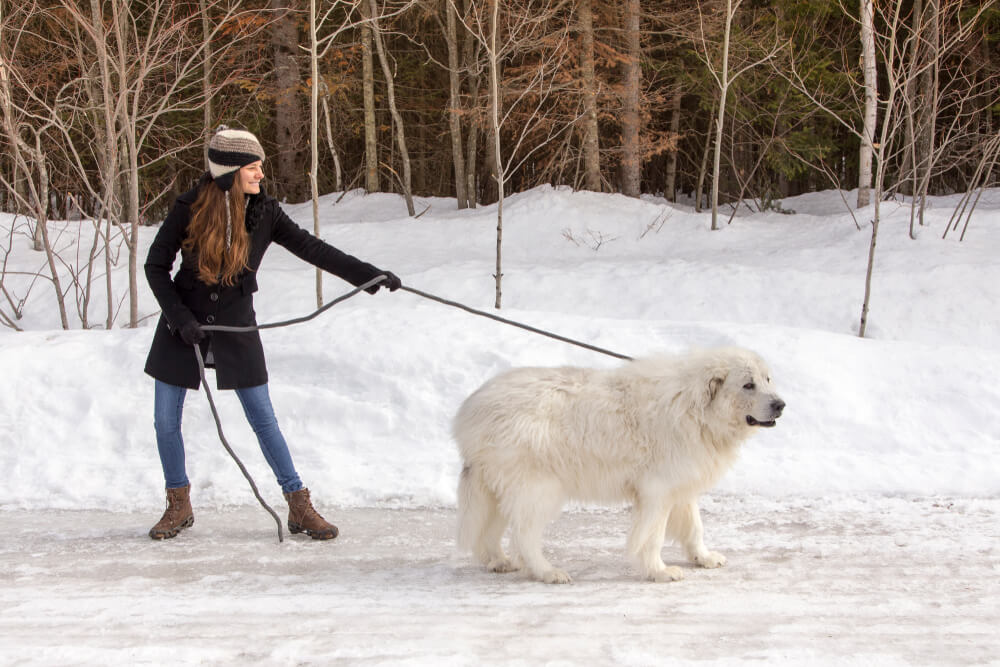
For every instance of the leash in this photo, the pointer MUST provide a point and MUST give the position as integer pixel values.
(211, 401)
(225, 443)
(519, 325)
(316, 313)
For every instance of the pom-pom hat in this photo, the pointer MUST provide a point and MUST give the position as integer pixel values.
(228, 150)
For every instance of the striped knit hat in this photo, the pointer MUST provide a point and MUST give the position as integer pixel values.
(228, 150)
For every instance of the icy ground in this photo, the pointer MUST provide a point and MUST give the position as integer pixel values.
(849, 580)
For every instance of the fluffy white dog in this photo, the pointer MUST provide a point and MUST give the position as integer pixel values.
(656, 432)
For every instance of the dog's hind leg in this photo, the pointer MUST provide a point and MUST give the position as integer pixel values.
(480, 523)
(645, 540)
(535, 505)
(685, 526)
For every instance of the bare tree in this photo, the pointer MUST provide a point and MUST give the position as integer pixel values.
(314, 132)
(473, 66)
(870, 68)
(127, 67)
(400, 126)
(631, 113)
(27, 154)
(588, 82)
(724, 79)
(206, 67)
(368, 90)
(670, 182)
(977, 184)
(333, 21)
(518, 29)
(449, 28)
(891, 40)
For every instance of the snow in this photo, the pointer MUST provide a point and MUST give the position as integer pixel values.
(862, 530)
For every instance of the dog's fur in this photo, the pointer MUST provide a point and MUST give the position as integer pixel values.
(656, 432)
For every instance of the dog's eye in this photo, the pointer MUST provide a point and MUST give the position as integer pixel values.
(749, 386)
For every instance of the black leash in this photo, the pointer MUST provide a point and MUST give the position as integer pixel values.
(519, 325)
(225, 443)
(327, 306)
(211, 401)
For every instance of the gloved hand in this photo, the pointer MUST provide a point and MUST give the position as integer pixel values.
(192, 333)
(392, 282)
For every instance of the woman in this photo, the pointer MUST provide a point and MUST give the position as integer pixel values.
(222, 228)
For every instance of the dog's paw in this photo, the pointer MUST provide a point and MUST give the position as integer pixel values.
(556, 576)
(667, 574)
(501, 565)
(710, 559)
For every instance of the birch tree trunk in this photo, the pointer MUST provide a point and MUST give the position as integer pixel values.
(368, 93)
(455, 105)
(112, 159)
(390, 83)
(894, 79)
(471, 57)
(871, 101)
(42, 224)
(314, 136)
(132, 239)
(670, 186)
(699, 190)
(338, 169)
(721, 116)
(126, 123)
(908, 170)
(591, 147)
(206, 72)
(927, 114)
(631, 150)
(495, 127)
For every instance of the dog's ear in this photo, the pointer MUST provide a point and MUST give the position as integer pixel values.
(713, 386)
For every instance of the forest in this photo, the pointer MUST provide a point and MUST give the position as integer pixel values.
(106, 105)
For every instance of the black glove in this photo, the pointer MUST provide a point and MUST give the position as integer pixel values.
(391, 281)
(192, 333)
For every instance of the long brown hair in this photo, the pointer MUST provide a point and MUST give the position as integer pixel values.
(206, 234)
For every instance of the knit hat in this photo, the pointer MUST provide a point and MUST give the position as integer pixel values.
(228, 150)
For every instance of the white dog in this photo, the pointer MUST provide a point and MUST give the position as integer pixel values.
(656, 432)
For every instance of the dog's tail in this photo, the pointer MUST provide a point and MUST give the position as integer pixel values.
(477, 508)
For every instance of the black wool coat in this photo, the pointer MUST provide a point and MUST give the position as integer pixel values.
(239, 357)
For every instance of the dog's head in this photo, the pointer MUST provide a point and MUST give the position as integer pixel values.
(740, 388)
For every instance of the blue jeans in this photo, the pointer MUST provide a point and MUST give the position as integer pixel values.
(168, 407)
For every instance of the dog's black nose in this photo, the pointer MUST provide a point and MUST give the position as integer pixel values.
(777, 405)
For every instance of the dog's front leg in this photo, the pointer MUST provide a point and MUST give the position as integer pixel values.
(685, 526)
(645, 541)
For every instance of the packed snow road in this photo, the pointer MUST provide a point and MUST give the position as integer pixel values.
(847, 580)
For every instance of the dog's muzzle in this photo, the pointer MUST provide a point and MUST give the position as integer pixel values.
(777, 405)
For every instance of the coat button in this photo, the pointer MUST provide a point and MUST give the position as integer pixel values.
(210, 319)
(214, 296)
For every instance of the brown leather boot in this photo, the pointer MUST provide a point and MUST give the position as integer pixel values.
(178, 514)
(303, 518)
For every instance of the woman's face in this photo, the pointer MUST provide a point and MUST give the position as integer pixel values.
(251, 176)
